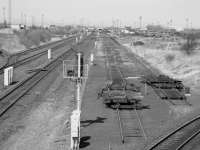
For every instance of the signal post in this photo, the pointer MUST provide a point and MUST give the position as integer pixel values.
(77, 73)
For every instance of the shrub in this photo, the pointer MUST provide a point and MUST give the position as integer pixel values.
(33, 37)
(169, 57)
(138, 43)
(191, 42)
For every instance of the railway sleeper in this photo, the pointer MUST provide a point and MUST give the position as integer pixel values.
(130, 106)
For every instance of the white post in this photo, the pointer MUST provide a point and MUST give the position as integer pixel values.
(76, 40)
(78, 96)
(79, 65)
(145, 89)
(92, 58)
(49, 54)
(8, 76)
(6, 83)
(75, 130)
(78, 83)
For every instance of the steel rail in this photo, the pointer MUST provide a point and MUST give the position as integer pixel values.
(137, 58)
(20, 90)
(25, 86)
(188, 140)
(185, 142)
(163, 139)
(181, 128)
(141, 125)
(120, 126)
(30, 58)
(40, 47)
(118, 74)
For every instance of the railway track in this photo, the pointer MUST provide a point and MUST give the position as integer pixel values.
(19, 62)
(130, 125)
(8, 100)
(180, 137)
(171, 95)
(48, 45)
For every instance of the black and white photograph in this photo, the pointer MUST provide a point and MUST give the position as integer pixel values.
(99, 75)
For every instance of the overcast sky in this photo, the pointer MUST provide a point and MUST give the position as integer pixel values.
(104, 11)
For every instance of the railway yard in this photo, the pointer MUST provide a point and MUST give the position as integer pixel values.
(127, 103)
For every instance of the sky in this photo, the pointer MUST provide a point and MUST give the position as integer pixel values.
(103, 12)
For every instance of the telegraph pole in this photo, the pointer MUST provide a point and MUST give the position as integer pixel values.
(187, 23)
(171, 22)
(10, 11)
(25, 19)
(32, 21)
(140, 19)
(4, 16)
(22, 18)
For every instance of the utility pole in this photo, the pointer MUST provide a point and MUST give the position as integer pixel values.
(171, 22)
(25, 19)
(187, 23)
(22, 18)
(33, 21)
(191, 25)
(4, 16)
(10, 12)
(140, 20)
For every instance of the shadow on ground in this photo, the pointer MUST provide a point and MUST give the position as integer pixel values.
(84, 141)
(86, 123)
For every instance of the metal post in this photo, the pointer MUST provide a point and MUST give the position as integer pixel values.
(145, 89)
(49, 54)
(79, 65)
(120, 126)
(10, 12)
(6, 82)
(25, 19)
(78, 82)
(140, 18)
(4, 17)
(78, 95)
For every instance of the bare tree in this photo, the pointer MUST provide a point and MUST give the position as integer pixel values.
(190, 44)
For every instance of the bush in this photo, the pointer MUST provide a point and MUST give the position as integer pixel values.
(138, 43)
(169, 57)
(33, 37)
(191, 43)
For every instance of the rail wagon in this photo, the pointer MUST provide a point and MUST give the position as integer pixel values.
(123, 95)
(164, 82)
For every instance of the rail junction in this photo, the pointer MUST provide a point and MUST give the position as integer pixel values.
(122, 96)
(115, 108)
(180, 138)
